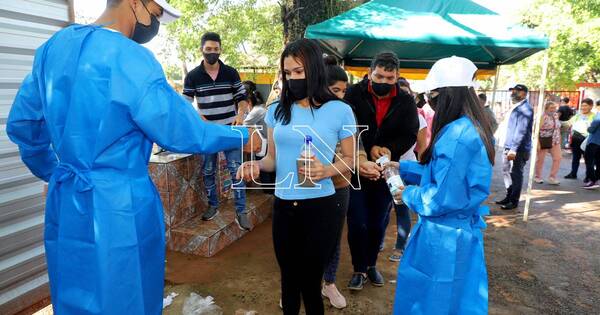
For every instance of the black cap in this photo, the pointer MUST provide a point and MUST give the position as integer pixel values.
(519, 87)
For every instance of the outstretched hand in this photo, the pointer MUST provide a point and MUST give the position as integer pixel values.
(248, 171)
(370, 170)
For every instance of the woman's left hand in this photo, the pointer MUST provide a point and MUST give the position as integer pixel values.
(316, 172)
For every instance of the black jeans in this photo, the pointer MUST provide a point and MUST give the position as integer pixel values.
(516, 175)
(576, 142)
(592, 162)
(367, 219)
(305, 233)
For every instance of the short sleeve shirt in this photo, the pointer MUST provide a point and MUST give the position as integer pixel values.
(327, 125)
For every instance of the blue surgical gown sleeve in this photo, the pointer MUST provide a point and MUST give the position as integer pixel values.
(456, 184)
(170, 121)
(27, 128)
(411, 172)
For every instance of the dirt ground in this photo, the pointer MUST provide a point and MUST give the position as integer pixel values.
(549, 265)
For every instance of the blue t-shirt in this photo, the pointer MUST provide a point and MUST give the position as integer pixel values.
(327, 126)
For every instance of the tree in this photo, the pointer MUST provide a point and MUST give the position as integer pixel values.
(185, 32)
(573, 27)
(251, 31)
(296, 15)
(252, 34)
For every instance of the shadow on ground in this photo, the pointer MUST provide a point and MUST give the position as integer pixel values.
(549, 265)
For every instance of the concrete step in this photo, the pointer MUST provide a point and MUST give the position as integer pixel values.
(206, 238)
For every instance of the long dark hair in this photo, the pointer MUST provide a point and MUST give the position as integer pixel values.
(310, 55)
(335, 73)
(451, 104)
(254, 95)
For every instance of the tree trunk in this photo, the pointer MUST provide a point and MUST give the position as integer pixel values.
(296, 15)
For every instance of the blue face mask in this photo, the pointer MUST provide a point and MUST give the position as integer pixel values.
(144, 33)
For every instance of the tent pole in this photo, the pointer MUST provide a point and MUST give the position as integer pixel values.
(536, 133)
(495, 87)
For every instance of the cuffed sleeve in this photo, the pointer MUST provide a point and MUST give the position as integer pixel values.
(411, 172)
(27, 128)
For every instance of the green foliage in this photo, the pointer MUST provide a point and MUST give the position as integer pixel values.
(574, 54)
(188, 29)
(251, 32)
(252, 35)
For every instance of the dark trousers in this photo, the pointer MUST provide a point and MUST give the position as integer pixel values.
(343, 198)
(577, 153)
(305, 233)
(367, 215)
(516, 175)
(592, 162)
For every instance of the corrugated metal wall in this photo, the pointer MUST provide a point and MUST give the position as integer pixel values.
(24, 26)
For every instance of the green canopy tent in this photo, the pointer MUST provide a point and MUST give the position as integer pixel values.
(421, 32)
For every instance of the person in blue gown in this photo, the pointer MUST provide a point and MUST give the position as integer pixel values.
(443, 268)
(85, 121)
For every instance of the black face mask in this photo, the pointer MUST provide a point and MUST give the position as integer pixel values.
(144, 33)
(211, 58)
(381, 89)
(420, 101)
(298, 89)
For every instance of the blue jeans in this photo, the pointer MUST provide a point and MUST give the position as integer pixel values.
(210, 167)
(403, 225)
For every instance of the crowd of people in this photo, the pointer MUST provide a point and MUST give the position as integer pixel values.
(86, 125)
(580, 134)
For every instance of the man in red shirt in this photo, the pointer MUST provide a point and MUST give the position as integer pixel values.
(391, 116)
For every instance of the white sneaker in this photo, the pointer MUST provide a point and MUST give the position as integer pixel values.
(538, 180)
(336, 299)
(553, 181)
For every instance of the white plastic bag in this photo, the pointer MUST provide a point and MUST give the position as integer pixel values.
(584, 143)
(169, 299)
(197, 305)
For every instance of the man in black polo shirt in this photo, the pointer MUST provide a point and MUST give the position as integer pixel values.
(391, 115)
(221, 99)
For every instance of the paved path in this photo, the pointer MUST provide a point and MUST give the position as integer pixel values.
(551, 264)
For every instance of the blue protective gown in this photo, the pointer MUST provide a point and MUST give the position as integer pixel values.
(443, 267)
(84, 121)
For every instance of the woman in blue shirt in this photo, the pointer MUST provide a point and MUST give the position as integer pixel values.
(307, 221)
(443, 267)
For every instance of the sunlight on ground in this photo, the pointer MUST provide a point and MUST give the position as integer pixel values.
(45, 311)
